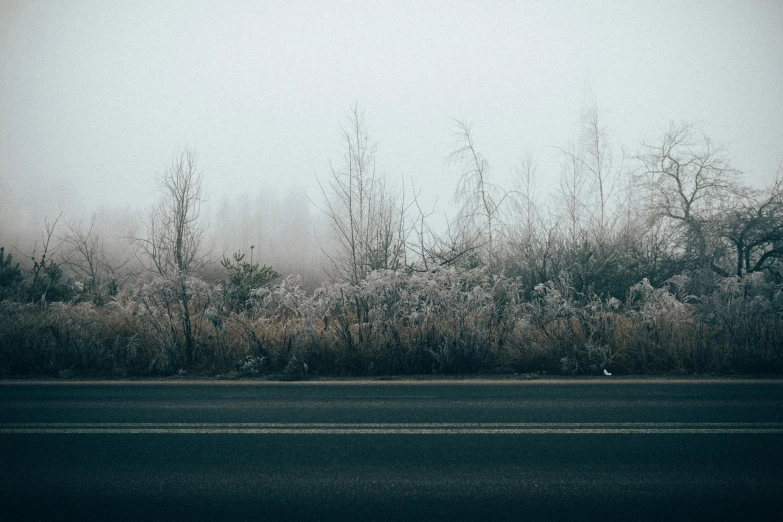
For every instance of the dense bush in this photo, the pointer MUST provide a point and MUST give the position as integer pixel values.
(447, 320)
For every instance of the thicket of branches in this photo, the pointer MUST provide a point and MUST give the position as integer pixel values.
(656, 261)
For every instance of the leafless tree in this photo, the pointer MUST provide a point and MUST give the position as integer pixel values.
(589, 179)
(600, 162)
(687, 182)
(173, 243)
(45, 283)
(754, 228)
(532, 236)
(366, 216)
(49, 250)
(573, 192)
(526, 193)
(174, 228)
(480, 199)
(85, 254)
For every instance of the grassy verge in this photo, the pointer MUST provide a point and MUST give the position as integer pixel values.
(449, 322)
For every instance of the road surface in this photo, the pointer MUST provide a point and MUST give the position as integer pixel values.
(608, 449)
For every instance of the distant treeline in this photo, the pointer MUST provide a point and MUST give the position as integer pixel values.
(663, 261)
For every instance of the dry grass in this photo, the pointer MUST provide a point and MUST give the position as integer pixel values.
(450, 321)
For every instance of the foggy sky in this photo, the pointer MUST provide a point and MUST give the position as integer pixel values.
(95, 97)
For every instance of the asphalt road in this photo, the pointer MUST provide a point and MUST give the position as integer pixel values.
(607, 449)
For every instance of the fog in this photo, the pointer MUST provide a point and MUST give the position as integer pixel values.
(96, 98)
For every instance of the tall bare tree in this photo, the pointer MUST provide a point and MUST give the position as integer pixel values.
(573, 194)
(600, 161)
(589, 179)
(174, 228)
(480, 199)
(365, 214)
(173, 243)
(532, 235)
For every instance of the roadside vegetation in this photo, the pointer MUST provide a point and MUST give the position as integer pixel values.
(661, 261)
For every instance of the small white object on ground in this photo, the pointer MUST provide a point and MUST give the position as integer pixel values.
(606, 372)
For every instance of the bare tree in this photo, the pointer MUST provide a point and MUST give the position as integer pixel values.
(85, 254)
(590, 175)
(45, 284)
(532, 236)
(755, 229)
(49, 249)
(573, 190)
(174, 228)
(589, 179)
(174, 240)
(366, 216)
(526, 194)
(429, 248)
(688, 182)
(599, 160)
(480, 199)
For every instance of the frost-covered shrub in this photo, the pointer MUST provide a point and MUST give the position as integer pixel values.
(285, 300)
(71, 339)
(665, 333)
(185, 315)
(446, 320)
(251, 365)
(745, 315)
(561, 328)
(449, 320)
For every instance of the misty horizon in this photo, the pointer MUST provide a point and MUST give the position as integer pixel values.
(96, 100)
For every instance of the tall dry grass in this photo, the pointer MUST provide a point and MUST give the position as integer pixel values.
(396, 322)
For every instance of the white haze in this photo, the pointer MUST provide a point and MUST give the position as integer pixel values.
(95, 97)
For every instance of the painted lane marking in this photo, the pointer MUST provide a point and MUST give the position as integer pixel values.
(391, 397)
(391, 428)
(343, 402)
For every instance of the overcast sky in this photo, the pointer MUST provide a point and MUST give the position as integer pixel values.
(96, 96)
